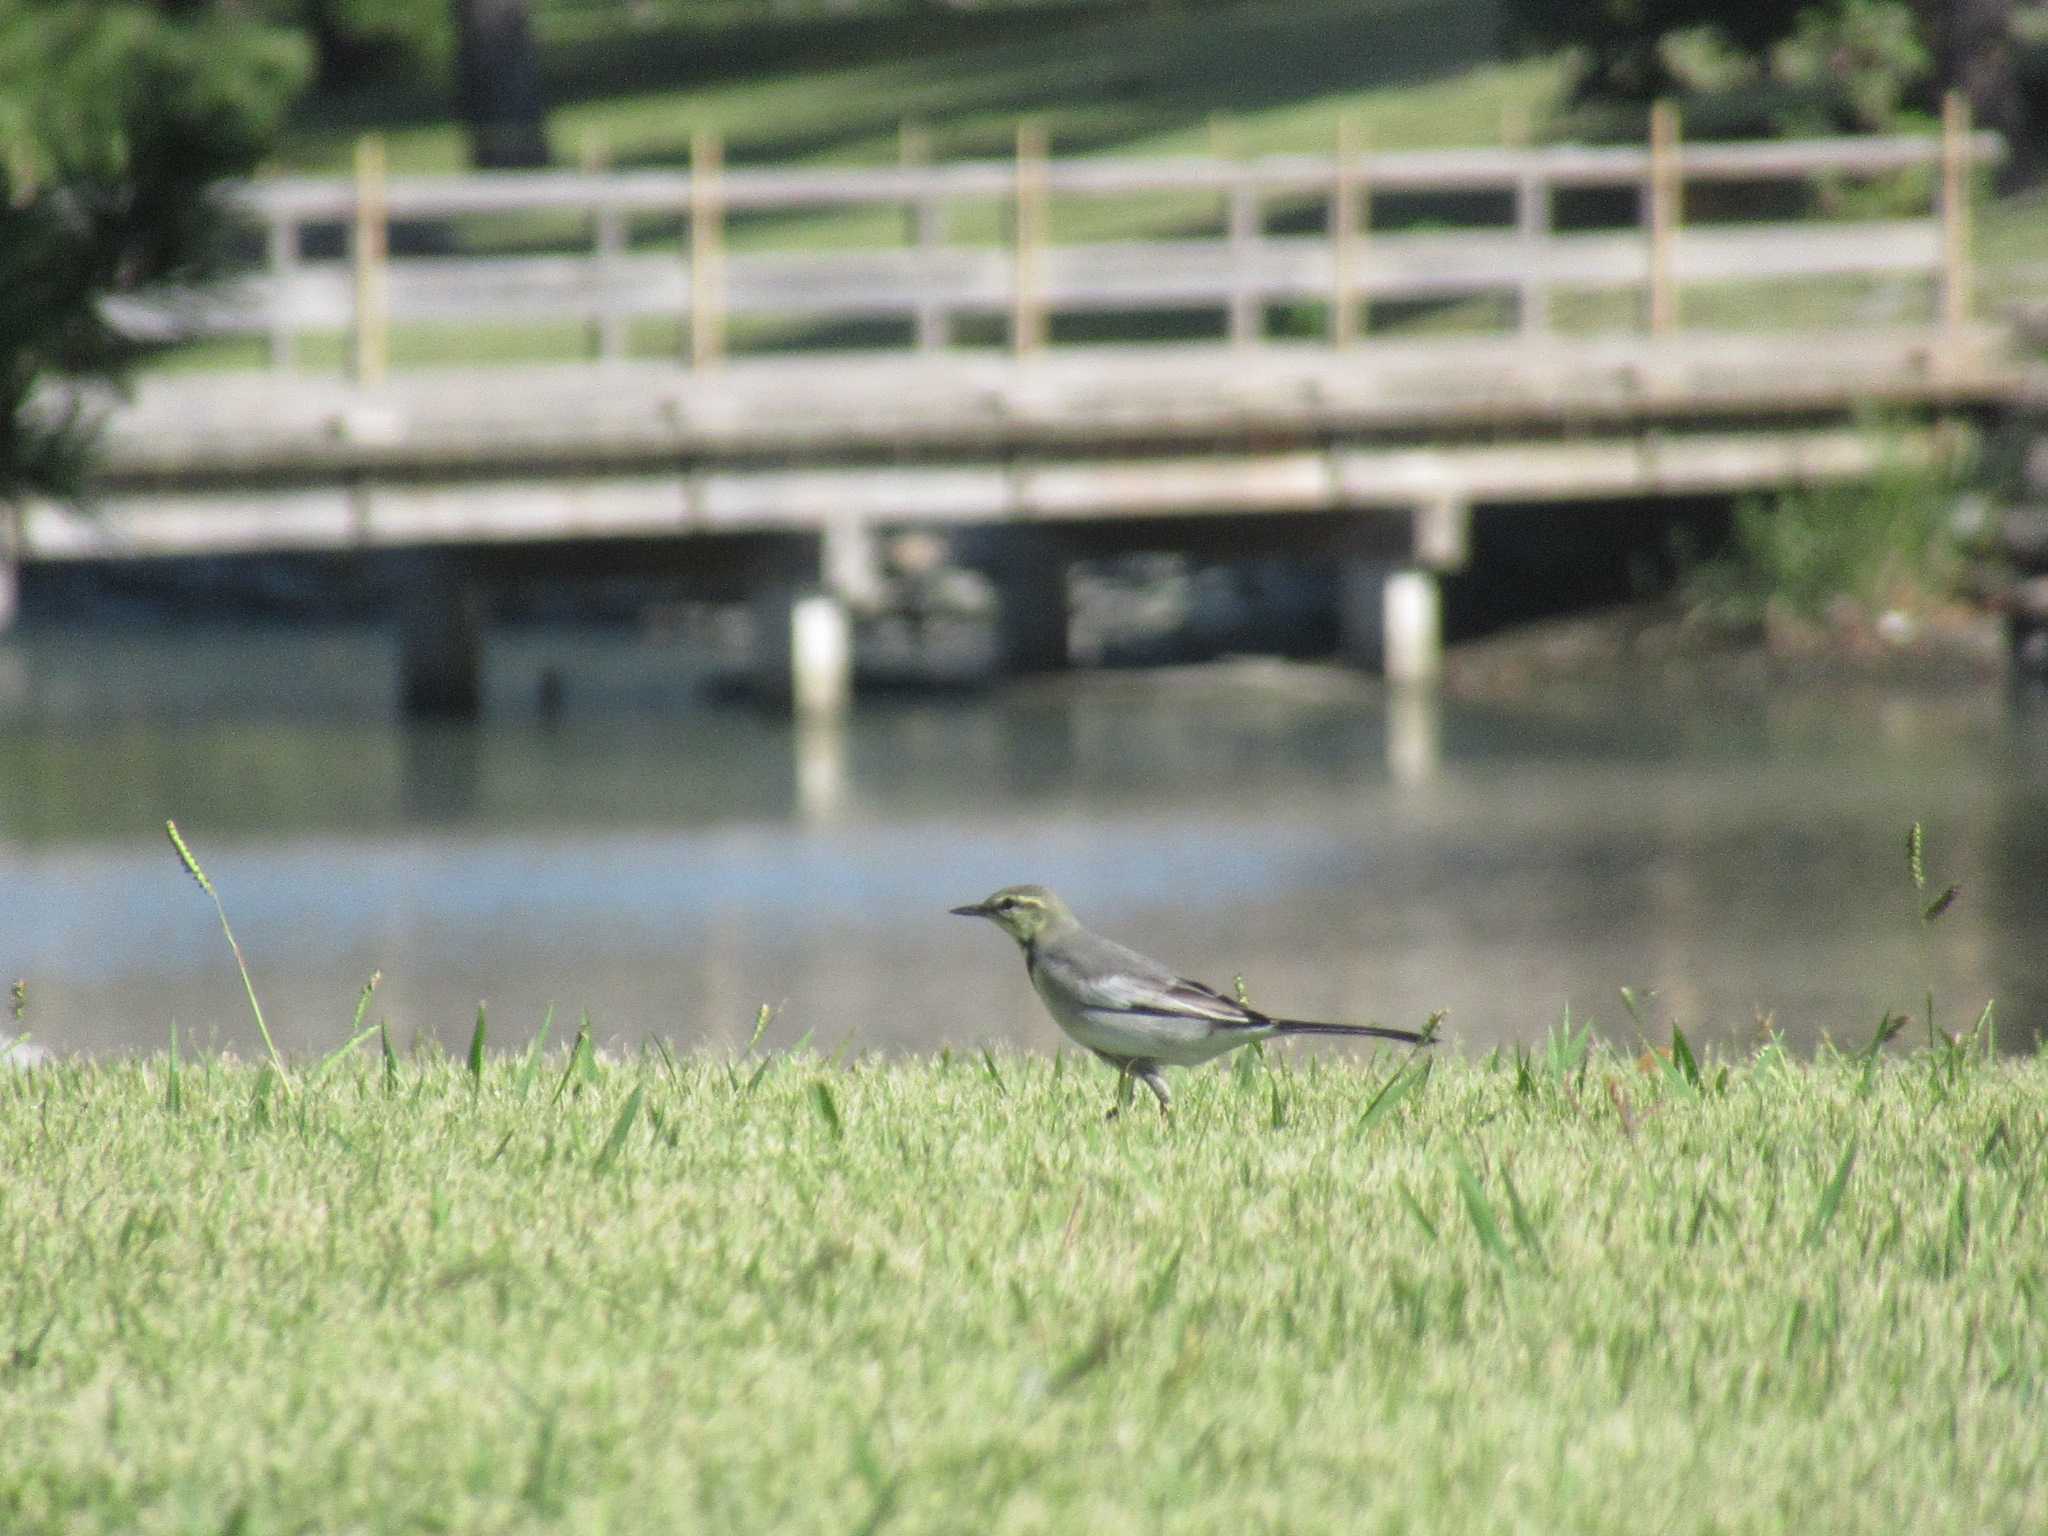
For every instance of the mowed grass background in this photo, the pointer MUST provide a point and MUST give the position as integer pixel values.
(786, 1293)
(629, 87)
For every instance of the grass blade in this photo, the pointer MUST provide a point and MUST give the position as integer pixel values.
(1683, 1059)
(578, 1053)
(761, 1017)
(1396, 1088)
(363, 1001)
(827, 1108)
(357, 1032)
(476, 1048)
(1887, 1027)
(1088, 1359)
(1831, 1197)
(1414, 1208)
(1161, 1290)
(174, 1088)
(1525, 1229)
(1480, 1211)
(621, 1129)
(192, 868)
(1637, 1005)
(390, 1056)
(536, 1048)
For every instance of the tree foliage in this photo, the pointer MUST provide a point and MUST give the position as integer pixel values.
(1806, 65)
(1620, 42)
(116, 119)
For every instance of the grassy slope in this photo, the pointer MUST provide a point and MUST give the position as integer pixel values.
(913, 1296)
(1263, 76)
(1423, 73)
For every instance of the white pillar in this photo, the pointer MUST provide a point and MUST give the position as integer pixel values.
(821, 656)
(852, 564)
(803, 650)
(1413, 613)
(1390, 619)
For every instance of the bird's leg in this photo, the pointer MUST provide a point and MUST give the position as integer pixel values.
(1125, 1085)
(1152, 1077)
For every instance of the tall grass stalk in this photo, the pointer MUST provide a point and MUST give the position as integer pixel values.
(192, 868)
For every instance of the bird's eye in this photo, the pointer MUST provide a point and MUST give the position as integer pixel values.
(1007, 904)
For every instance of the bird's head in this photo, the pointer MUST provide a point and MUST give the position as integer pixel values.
(1022, 911)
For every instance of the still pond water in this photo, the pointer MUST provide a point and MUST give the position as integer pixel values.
(669, 861)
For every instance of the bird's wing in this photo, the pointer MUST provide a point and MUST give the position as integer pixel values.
(1110, 978)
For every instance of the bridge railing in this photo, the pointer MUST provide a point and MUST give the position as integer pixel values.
(1019, 277)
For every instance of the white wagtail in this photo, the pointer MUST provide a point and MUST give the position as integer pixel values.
(1133, 1012)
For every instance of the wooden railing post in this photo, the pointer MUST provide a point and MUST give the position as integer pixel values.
(372, 251)
(1027, 309)
(707, 249)
(1344, 235)
(926, 232)
(1246, 300)
(607, 245)
(1532, 223)
(1955, 211)
(282, 258)
(1664, 198)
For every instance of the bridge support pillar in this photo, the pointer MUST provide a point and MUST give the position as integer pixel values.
(441, 621)
(803, 650)
(1390, 619)
(1031, 605)
(852, 564)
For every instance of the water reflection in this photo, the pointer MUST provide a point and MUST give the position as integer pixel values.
(820, 751)
(1414, 737)
(670, 863)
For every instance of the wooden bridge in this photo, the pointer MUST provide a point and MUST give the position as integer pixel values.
(1370, 371)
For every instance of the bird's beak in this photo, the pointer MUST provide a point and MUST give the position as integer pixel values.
(978, 909)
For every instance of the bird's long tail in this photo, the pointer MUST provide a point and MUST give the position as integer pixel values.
(1374, 1031)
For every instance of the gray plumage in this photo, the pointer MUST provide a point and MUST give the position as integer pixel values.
(1127, 1008)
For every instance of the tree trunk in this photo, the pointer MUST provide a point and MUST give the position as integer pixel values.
(497, 72)
(1972, 45)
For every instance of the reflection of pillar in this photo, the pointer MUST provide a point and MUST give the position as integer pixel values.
(803, 649)
(1031, 604)
(1414, 733)
(1390, 618)
(819, 742)
(441, 615)
(441, 768)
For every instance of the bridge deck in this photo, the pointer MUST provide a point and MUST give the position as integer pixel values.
(966, 406)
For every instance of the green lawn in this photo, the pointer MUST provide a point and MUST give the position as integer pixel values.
(782, 1293)
(1260, 76)
(1422, 72)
